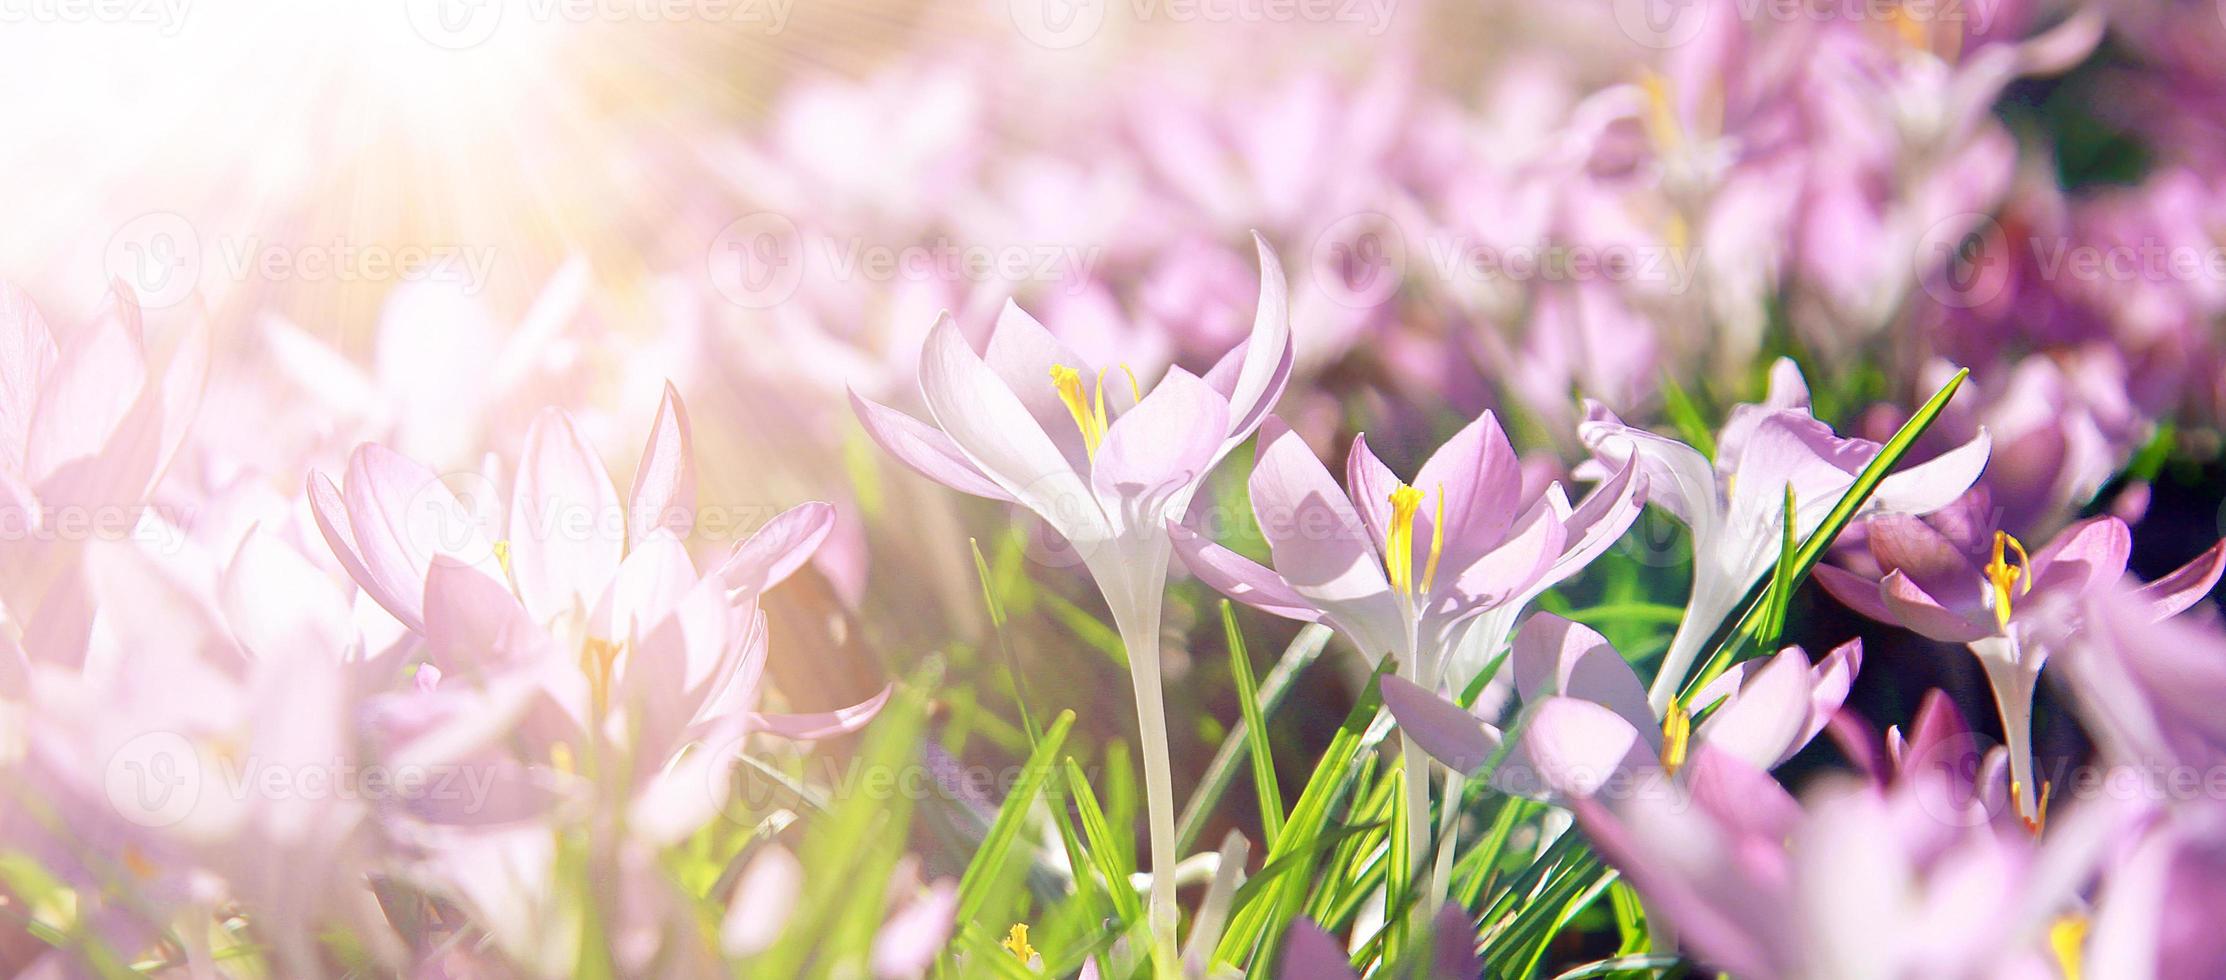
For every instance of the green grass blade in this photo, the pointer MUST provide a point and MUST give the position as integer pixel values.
(1305, 648)
(1255, 730)
(974, 885)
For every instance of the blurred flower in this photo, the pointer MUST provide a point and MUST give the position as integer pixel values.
(1955, 579)
(1735, 506)
(1586, 724)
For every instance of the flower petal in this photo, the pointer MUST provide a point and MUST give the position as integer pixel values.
(1552, 655)
(1238, 577)
(1318, 543)
(1934, 483)
(1154, 457)
(402, 515)
(774, 552)
(925, 448)
(1917, 610)
(1022, 353)
(2085, 556)
(995, 432)
(2186, 585)
(1463, 742)
(823, 724)
(664, 494)
(566, 531)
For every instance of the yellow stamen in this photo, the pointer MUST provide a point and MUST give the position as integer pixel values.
(1134, 389)
(1399, 539)
(2001, 575)
(1016, 943)
(2065, 937)
(560, 759)
(2037, 820)
(1677, 737)
(136, 862)
(1661, 113)
(1089, 413)
(597, 656)
(502, 556)
(1437, 543)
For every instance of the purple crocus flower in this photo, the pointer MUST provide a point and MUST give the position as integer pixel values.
(1029, 421)
(1399, 568)
(1860, 881)
(1586, 721)
(1735, 505)
(1956, 579)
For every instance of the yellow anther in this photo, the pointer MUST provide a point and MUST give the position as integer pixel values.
(2065, 937)
(1016, 943)
(2036, 821)
(137, 863)
(1134, 389)
(560, 759)
(1088, 411)
(1677, 737)
(597, 655)
(1661, 112)
(2002, 575)
(1399, 539)
(502, 556)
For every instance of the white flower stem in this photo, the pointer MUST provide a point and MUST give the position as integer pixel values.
(1703, 613)
(1137, 618)
(2013, 683)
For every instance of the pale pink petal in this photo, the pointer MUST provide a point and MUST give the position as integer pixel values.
(664, 494)
(566, 530)
(1551, 655)
(911, 939)
(1318, 543)
(1238, 577)
(1934, 483)
(2186, 585)
(1571, 747)
(2085, 556)
(402, 515)
(823, 724)
(996, 433)
(1917, 610)
(1023, 353)
(1762, 721)
(774, 552)
(924, 448)
(760, 906)
(1154, 456)
(1459, 740)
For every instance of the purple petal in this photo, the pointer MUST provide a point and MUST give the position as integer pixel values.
(1238, 577)
(1854, 591)
(1763, 720)
(664, 494)
(1311, 954)
(2083, 557)
(1158, 452)
(1317, 541)
(996, 433)
(1571, 747)
(1917, 610)
(774, 552)
(823, 724)
(1022, 353)
(1935, 483)
(2186, 585)
(1450, 735)
(565, 539)
(924, 448)
(1482, 480)
(1552, 655)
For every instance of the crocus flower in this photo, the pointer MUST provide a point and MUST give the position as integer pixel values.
(1956, 579)
(590, 618)
(1030, 422)
(1586, 720)
(1400, 568)
(1735, 506)
(1860, 881)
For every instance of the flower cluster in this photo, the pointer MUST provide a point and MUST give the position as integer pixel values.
(1573, 395)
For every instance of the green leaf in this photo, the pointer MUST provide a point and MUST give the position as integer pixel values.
(1255, 730)
(1812, 549)
(1105, 851)
(1305, 648)
(973, 885)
